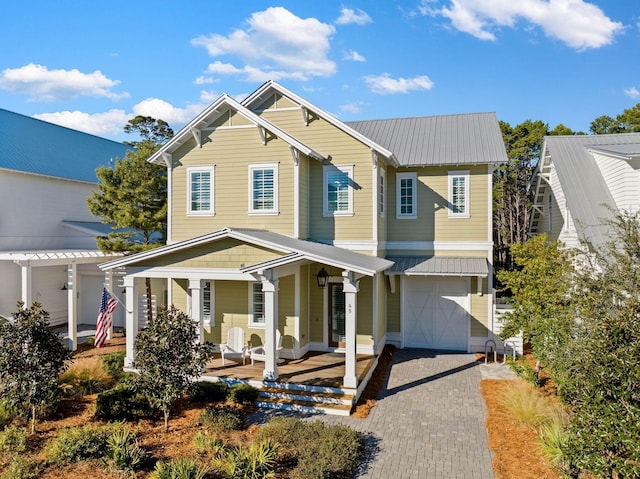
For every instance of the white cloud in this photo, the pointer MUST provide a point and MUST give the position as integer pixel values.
(385, 85)
(107, 124)
(347, 16)
(42, 84)
(353, 56)
(632, 92)
(276, 44)
(354, 107)
(579, 24)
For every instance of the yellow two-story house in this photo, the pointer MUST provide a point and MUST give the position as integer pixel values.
(341, 236)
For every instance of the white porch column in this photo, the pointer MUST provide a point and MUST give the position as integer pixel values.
(270, 292)
(72, 305)
(132, 285)
(26, 284)
(195, 295)
(350, 288)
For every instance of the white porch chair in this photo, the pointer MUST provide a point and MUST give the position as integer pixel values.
(235, 347)
(258, 353)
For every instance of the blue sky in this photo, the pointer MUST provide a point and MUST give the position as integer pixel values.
(92, 65)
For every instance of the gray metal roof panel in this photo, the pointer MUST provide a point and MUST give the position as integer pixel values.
(588, 198)
(627, 151)
(465, 139)
(439, 266)
(35, 146)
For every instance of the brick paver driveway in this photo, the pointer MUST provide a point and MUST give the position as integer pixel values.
(428, 422)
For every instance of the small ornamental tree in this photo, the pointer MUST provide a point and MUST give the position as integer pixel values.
(169, 358)
(31, 359)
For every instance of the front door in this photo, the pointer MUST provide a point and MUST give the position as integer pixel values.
(336, 315)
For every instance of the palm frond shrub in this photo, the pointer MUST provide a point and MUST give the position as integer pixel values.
(258, 461)
(180, 468)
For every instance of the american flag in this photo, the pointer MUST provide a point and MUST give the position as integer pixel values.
(105, 317)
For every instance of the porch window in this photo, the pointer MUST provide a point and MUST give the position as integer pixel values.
(263, 188)
(459, 194)
(207, 304)
(256, 305)
(200, 186)
(406, 195)
(338, 190)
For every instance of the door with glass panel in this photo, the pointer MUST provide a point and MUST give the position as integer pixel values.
(336, 315)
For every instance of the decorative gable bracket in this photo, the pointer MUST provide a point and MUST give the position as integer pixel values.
(197, 135)
(265, 135)
(168, 160)
(308, 116)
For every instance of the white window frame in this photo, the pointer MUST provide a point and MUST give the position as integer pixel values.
(453, 175)
(326, 171)
(212, 317)
(199, 169)
(252, 306)
(263, 166)
(414, 195)
(383, 188)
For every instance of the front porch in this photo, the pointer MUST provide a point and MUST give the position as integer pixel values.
(313, 383)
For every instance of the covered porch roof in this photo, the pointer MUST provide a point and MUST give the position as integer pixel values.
(293, 250)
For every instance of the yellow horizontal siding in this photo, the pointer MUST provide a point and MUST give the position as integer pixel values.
(479, 309)
(433, 222)
(231, 151)
(224, 253)
(393, 307)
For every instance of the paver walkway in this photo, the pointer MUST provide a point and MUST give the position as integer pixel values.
(428, 422)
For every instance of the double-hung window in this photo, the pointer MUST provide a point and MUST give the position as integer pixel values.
(458, 194)
(256, 305)
(406, 195)
(263, 188)
(382, 191)
(200, 186)
(338, 190)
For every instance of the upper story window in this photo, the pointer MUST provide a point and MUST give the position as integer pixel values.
(200, 186)
(459, 194)
(338, 190)
(382, 190)
(256, 305)
(263, 188)
(406, 195)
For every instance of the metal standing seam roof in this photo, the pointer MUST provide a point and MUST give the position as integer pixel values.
(438, 266)
(34, 146)
(587, 195)
(294, 249)
(464, 139)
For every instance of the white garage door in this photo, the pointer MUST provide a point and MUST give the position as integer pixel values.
(436, 313)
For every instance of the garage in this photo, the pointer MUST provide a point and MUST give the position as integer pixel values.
(435, 312)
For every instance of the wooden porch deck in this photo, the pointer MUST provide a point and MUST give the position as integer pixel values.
(314, 369)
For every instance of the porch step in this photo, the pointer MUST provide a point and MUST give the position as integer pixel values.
(306, 401)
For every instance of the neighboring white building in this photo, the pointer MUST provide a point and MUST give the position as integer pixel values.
(581, 181)
(48, 249)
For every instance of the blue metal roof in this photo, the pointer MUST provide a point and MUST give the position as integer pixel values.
(35, 146)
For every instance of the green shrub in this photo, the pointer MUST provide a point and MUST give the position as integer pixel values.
(205, 391)
(79, 443)
(114, 363)
(524, 370)
(122, 403)
(20, 468)
(7, 413)
(13, 440)
(243, 394)
(221, 418)
(321, 450)
(181, 468)
(124, 450)
(206, 444)
(256, 462)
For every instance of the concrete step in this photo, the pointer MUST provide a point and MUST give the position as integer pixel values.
(307, 396)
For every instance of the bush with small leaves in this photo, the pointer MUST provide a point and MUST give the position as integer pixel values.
(221, 418)
(122, 403)
(13, 441)
(21, 468)
(79, 443)
(7, 413)
(243, 394)
(181, 468)
(114, 363)
(208, 392)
